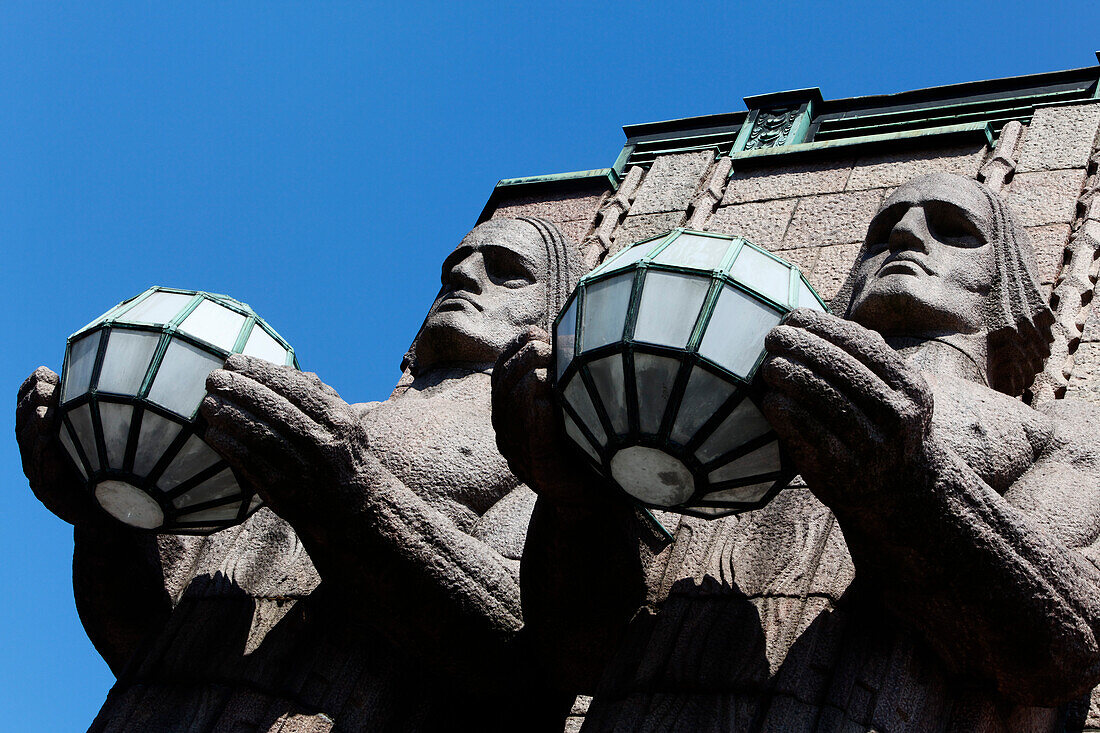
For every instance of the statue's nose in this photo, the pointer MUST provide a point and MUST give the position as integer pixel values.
(911, 232)
(468, 273)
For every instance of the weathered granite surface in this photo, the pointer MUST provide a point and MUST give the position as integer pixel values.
(936, 569)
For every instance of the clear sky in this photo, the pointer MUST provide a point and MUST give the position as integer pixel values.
(318, 161)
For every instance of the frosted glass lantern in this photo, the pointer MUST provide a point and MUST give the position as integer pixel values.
(655, 356)
(130, 392)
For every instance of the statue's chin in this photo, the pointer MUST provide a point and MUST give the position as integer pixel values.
(899, 305)
(448, 340)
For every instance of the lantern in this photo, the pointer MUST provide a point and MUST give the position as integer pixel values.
(655, 355)
(130, 392)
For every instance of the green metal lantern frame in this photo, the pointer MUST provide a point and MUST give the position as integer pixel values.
(190, 425)
(689, 358)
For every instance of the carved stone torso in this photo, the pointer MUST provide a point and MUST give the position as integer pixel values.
(438, 439)
(756, 621)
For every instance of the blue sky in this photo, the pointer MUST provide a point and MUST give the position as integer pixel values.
(318, 160)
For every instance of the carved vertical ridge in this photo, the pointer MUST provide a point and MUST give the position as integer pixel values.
(1002, 164)
(598, 245)
(706, 201)
(1072, 293)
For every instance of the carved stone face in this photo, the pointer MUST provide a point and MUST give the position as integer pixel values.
(494, 286)
(928, 265)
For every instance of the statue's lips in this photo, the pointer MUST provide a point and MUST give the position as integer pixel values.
(456, 301)
(904, 266)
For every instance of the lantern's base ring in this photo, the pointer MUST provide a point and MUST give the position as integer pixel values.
(652, 476)
(129, 504)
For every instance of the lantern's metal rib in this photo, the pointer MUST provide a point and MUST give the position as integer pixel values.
(97, 432)
(742, 450)
(150, 482)
(736, 483)
(588, 435)
(245, 334)
(207, 473)
(100, 355)
(792, 286)
(209, 504)
(75, 439)
(594, 394)
(132, 436)
(717, 417)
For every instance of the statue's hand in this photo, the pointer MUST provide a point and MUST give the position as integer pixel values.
(526, 421)
(52, 476)
(852, 414)
(285, 432)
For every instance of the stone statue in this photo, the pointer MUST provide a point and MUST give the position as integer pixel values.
(405, 507)
(934, 568)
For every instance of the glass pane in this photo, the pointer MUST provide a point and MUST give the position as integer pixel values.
(565, 338)
(762, 273)
(127, 360)
(154, 437)
(629, 256)
(262, 345)
(157, 308)
(752, 492)
(806, 298)
(221, 485)
(669, 307)
(81, 361)
(692, 250)
(607, 373)
(577, 397)
(705, 393)
(740, 426)
(712, 511)
(180, 383)
(114, 419)
(655, 376)
(255, 504)
(763, 460)
(735, 334)
(81, 419)
(194, 456)
(575, 433)
(605, 307)
(214, 324)
(214, 514)
(70, 448)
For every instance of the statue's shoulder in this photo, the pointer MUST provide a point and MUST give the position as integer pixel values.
(1076, 426)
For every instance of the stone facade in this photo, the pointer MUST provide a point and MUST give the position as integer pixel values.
(357, 651)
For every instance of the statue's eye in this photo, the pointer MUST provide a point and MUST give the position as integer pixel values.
(878, 233)
(506, 268)
(953, 226)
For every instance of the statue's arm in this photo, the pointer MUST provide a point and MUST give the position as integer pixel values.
(118, 582)
(997, 595)
(582, 573)
(402, 565)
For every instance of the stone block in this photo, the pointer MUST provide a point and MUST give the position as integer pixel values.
(1084, 382)
(1091, 331)
(1049, 243)
(763, 222)
(671, 182)
(573, 206)
(786, 182)
(834, 218)
(575, 230)
(832, 268)
(804, 257)
(1045, 197)
(636, 228)
(1060, 137)
(880, 171)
